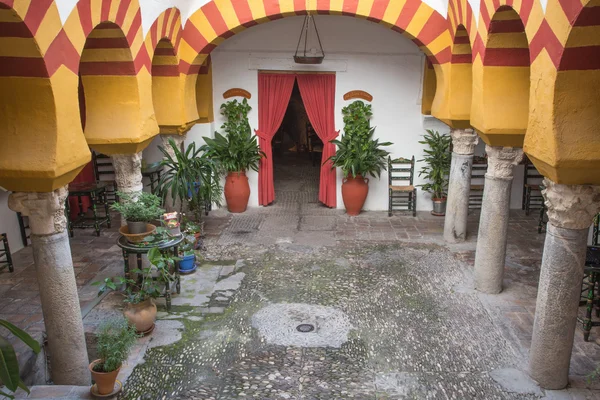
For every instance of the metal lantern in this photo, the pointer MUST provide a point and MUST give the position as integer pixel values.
(306, 55)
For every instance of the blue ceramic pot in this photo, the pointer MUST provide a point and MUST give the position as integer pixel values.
(187, 262)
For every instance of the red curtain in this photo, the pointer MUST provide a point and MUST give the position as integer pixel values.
(274, 93)
(318, 96)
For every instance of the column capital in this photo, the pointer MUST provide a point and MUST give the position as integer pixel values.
(501, 161)
(46, 211)
(464, 141)
(128, 172)
(571, 206)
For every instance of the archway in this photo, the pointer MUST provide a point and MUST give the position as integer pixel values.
(165, 88)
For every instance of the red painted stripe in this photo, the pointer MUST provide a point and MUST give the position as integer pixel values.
(142, 60)
(506, 57)
(435, 25)
(506, 26)
(166, 21)
(85, 16)
(461, 40)
(23, 66)
(590, 16)
(106, 25)
(165, 70)
(6, 4)
(15, 29)
(194, 69)
(274, 17)
(164, 51)
(452, 13)
(570, 8)
(485, 14)
(443, 56)
(469, 17)
(105, 10)
(378, 10)
(122, 11)
(154, 34)
(525, 11)
(242, 11)
(106, 43)
(215, 18)
(580, 58)
(545, 38)
(496, 4)
(134, 29)
(461, 59)
(36, 14)
(227, 34)
(349, 7)
(250, 24)
(61, 52)
(408, 12)
(108, 68)
(272, 8)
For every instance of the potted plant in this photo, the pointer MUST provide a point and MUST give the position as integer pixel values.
(115, 339)
(191, 177)
(436, 169)
(139, 294)
(358, 155)
(138, 209)
(187, 254)
(236, 152)
(9, 364)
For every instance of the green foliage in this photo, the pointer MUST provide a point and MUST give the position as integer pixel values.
(360, 155)
(237, 150)
(191, 177)
(437, 163)
(9, 365)
(357, 116)
(138, 206)
(115, 340)
(150, 282)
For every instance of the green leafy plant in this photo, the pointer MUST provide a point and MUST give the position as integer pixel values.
(437, 163)
(190, 176)
(9, 365)
(237, 150)
(150, 282)
(115, 339)
(138, 206)
(357, 116)
(360, 155)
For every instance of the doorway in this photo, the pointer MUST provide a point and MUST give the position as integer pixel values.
(297, 152)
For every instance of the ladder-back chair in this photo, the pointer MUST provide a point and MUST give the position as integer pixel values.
(104, 171)
(402, 192)
(478, 171)
(532, 181)
(5, 258)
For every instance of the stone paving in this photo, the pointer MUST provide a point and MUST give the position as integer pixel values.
(392, 306)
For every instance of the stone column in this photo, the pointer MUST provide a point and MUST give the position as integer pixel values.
(179, 139)
(490, 254)
(56, 280)
(128, 173)
(459, 188)
(571, 209)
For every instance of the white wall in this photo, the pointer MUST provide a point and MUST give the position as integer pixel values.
(9, 223)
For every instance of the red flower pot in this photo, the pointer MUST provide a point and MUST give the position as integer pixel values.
(354, 193)
(237, 192)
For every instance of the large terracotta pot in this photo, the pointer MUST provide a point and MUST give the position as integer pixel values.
(237, 192)
(354, 193)
(141, 315)
(105, 381)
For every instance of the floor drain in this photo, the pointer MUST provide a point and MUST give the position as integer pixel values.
(305, 328)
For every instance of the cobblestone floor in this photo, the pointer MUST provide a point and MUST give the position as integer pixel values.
(393, 308)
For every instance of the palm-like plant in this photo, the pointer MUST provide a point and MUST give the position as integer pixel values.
(237, 150)
(437, 163)
(9, 365)
(360, 155)
(189, 176)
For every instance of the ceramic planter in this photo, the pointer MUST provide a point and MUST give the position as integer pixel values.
(439, 207)
(354, 193)
(105, 381)
(141, 315)
(237, 192)
(187, 263)
(136, 227)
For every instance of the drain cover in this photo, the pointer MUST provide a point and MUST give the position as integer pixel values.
(305, 328)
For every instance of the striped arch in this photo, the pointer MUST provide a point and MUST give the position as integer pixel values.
(219, 20)
(41, 150)
(562, 138)
(107, 49)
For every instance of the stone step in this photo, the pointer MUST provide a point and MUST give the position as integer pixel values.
(57, 392)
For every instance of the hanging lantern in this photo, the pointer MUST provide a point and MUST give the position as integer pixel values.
(308, 55)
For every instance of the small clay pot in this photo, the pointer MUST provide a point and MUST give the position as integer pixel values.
(141, 315)
(105, 381)
(354, 193)
(237, 192)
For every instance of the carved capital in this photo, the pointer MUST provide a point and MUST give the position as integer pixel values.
(46, 211)
(571, 206)
(464, 141)
(128, 172)
(501, 161)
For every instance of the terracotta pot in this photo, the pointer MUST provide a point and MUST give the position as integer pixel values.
(354, 193)
(105, 381)
(141, 315)
(439, 207)
(237, 192)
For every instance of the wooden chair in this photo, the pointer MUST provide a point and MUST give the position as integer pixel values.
(24, 228)
(104, 171)
(532, 195)
(402, 192)
(477, 182)
(5, 258)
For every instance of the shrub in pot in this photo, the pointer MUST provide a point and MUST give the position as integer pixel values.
(188, 257)
(236, 152)
(115, 338)
(138, 209)
(358, 155)
(139, 294)
(9, 364)
(436, 169)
